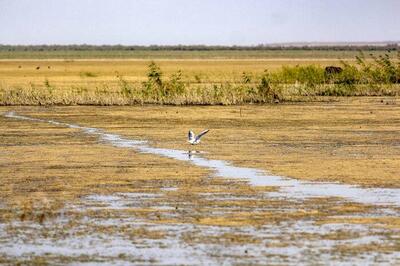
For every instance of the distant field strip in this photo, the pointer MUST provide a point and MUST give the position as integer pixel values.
(173, 54)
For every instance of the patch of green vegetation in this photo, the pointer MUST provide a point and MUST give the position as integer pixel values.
(183, 52)
(347, 80)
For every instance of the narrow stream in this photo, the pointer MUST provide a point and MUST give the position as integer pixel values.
(289, 187)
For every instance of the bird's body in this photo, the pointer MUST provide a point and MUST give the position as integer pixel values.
(193, 139)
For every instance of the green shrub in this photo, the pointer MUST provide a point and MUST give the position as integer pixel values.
(153, 87)
(310, 75)
(175, 86)
(246, 78)
(266, 93)
(125, 87)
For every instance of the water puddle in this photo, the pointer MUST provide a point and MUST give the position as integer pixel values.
(124, 238)
(288, 187)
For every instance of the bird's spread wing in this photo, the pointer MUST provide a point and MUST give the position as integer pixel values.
(190, 135)
(202, 134)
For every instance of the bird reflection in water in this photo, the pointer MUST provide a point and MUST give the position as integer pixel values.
(191, 153)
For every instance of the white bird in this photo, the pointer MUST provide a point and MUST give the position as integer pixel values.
(193, 139)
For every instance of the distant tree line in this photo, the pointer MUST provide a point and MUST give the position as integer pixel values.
(86, 47)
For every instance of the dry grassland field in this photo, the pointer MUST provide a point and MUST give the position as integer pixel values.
(65, 74)
(306, 179)
(197, 80)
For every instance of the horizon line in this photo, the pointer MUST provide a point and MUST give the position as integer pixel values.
(274, 44)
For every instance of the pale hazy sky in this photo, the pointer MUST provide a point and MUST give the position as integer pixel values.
(224, 22)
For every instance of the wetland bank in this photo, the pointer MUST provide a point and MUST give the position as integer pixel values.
(297, 168)
(76, 190)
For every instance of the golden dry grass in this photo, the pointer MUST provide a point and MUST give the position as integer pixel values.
(64, 74)
(199, 82)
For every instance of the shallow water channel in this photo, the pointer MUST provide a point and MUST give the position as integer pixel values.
(289, 188)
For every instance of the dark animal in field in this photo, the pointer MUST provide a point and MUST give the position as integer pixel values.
(329, 70)
(331, 73)
(38, 67)
(48, 67)
(19, 66)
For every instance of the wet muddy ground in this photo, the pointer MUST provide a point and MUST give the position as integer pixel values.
(87, 185)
